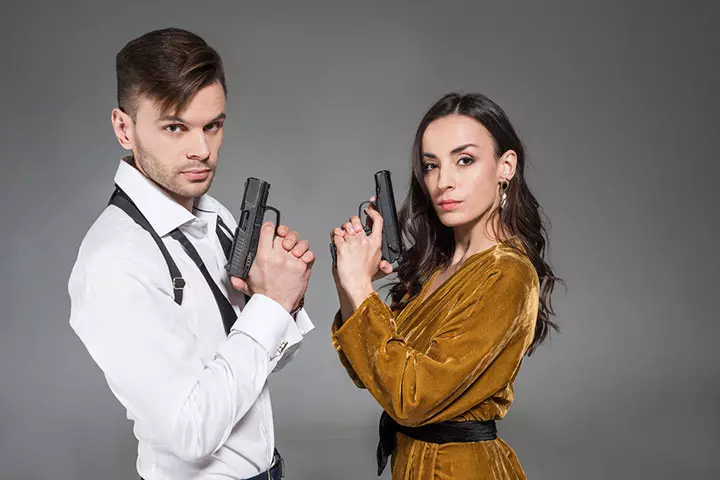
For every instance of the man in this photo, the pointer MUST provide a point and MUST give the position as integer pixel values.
(180, 347)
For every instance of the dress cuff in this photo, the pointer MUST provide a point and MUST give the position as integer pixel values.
(352, 326)
(268, 323)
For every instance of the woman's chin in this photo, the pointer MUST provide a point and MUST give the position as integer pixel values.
(452, 219)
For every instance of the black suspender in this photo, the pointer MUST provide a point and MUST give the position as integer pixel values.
(226, 310)
(225, 235)
(121, 200)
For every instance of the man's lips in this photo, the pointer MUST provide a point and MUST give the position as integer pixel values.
(196, 174)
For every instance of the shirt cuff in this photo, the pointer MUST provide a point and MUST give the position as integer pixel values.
(268, 323)
(303, 322)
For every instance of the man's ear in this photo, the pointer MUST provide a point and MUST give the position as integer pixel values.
(123, 128)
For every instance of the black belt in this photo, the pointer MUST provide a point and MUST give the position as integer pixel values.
(276, 472)
(444, 432)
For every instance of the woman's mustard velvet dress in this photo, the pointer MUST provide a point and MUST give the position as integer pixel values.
(452, 355)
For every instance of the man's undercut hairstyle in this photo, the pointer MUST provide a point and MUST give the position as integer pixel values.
(168, 66)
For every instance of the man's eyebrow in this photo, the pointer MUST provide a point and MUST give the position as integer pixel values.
(175, 118)
(453, 152)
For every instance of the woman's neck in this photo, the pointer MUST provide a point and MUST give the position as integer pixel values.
(473, 238)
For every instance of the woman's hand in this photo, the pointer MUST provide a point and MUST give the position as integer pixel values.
(359, 257)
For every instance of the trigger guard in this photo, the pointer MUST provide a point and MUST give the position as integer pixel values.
(360, 208)
(277, 217)
(368, 230)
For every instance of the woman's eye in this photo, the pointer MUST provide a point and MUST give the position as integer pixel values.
(427, 167)
(466, 161)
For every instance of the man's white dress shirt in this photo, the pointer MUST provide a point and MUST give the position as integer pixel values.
(198, 397)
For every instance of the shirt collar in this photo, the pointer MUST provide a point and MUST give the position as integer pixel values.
(163, 212)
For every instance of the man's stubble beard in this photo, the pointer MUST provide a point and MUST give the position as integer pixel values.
(169, 180)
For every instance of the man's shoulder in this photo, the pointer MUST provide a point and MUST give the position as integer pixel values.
(114, 239)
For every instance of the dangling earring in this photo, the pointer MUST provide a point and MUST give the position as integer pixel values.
(504, 185)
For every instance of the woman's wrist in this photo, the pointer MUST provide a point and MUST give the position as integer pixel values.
(358, 293)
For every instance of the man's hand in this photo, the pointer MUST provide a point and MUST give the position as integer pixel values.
(281, 269)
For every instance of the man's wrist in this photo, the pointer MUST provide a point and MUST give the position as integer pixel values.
(299, 307)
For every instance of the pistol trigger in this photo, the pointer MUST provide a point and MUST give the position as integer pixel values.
(360, 208)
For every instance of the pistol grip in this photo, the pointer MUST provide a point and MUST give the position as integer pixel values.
(333, 254)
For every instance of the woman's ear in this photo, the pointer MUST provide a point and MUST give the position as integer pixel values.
(507, 165)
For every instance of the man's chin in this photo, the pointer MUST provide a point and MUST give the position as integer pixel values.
(191, 189)
(196, 188)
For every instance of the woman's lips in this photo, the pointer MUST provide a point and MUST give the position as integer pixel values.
(449, 204)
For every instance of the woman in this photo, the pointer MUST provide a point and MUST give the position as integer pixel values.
(472, 297)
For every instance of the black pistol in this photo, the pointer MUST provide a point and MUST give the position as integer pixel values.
(247, 234)
(385, 203)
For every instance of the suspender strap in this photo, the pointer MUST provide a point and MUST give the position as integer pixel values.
(226, 310)
(225, 236)
(123, 202)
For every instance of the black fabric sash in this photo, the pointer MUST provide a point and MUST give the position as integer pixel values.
(444, 432)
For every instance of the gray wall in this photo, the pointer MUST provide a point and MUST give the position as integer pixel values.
(616, 101)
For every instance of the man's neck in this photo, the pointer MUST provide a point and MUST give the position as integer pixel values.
(186, 202)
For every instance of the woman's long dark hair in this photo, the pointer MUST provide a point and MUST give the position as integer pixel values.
(431, 244)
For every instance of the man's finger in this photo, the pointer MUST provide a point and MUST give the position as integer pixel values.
(240, 284)
(300, 248)
(278, 242)
(265, 242)
(308, 257)
(290, 241)
(283, 230)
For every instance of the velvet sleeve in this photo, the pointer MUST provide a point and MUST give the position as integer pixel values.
(476, 351)
(343, 359)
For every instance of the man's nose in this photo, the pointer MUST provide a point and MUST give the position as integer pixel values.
(199, 149)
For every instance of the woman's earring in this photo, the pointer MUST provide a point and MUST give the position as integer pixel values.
(504, 185)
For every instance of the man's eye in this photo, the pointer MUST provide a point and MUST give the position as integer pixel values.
(212, 127)
(174, 128)
(466, 160)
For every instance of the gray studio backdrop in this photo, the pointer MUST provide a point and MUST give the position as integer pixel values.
(616, 101)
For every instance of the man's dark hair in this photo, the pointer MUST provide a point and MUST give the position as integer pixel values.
(168, 66)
